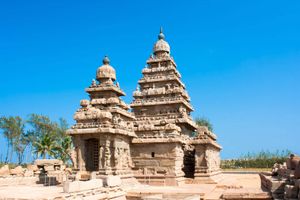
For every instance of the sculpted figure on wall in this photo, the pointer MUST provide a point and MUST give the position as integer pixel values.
(117, 157)
(101, 158)
(107, 154)
(74, 157)
(182, 111)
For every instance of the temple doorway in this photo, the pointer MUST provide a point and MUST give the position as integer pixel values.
(189, 163)
(92, 154)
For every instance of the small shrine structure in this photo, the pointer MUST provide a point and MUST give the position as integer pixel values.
(104, 127)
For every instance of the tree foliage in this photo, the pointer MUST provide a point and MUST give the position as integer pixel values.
(202, 121)
(44, 137)
(13, 129)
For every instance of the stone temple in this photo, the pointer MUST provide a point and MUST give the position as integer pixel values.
(156, 142)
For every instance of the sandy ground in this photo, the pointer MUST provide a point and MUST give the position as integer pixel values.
(242, 185)
(230, 184)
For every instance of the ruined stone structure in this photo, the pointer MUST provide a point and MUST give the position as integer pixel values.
(104, 127)
(159, 141)
(283, 182)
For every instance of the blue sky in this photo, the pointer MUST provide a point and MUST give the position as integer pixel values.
(240, 60)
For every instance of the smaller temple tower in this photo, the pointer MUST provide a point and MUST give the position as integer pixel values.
(104, 127)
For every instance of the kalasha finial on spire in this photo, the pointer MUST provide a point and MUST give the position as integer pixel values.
(106, 60)
(161, 36)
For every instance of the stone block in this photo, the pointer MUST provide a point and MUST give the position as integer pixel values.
(32, 167)
(93, 175)
(112, 181)
(4, 170)
(19, 171)
(141, 163)
(43, 162)
(28, 173)
(49, 168)
(292, 162)
(290, 192)
(77, 186)
(167, 163)
(82, 175)
(297, 171)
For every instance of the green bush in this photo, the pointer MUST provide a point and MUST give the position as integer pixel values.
(263, 159)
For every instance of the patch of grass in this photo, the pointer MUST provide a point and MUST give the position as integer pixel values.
(263, 159)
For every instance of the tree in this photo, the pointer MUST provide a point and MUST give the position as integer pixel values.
(204, 122)
(65, 149)
(43, 133)
(45, 138)
(50, 137)
(5, 125)
(65, 141)
(14, 132)
(20, 139)
(45, 145)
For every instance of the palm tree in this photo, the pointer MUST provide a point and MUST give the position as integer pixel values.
(65, 142)
(204, 122)
(43, 130)
(65, 149)
(45, 145)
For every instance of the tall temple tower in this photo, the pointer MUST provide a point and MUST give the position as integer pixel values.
(104, 127)
(163, 124)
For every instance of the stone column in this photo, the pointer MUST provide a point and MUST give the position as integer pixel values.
(101, 151)
(200, 162)
(81, 154)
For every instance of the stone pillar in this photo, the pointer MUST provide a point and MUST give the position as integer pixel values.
(200, 162)
(81, 154)
(207, 164)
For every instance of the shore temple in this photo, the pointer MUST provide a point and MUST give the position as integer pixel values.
(152, 140)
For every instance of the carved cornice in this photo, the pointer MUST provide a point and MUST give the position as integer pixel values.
(161, 101)
(111, 88)
(161, 59)
(145, 80)
(101, 130)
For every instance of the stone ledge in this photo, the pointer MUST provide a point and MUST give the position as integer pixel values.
(11, 181)
(77, 186)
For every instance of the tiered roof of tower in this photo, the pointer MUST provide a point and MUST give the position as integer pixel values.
(161, 104)
(105, 112)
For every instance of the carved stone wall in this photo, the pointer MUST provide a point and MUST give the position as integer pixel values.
(207, 163)
(156, 162)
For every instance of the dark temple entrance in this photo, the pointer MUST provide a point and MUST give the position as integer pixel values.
(92, 154)
(189, 163)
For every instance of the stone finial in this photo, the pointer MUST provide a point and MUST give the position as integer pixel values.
(161, 45)
(161, 36)
(106, 73)
(84, 103)
(106, 60)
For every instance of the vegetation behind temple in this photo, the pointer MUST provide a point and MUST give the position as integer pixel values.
(38, 135)
(202, 121)
(263, 159)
